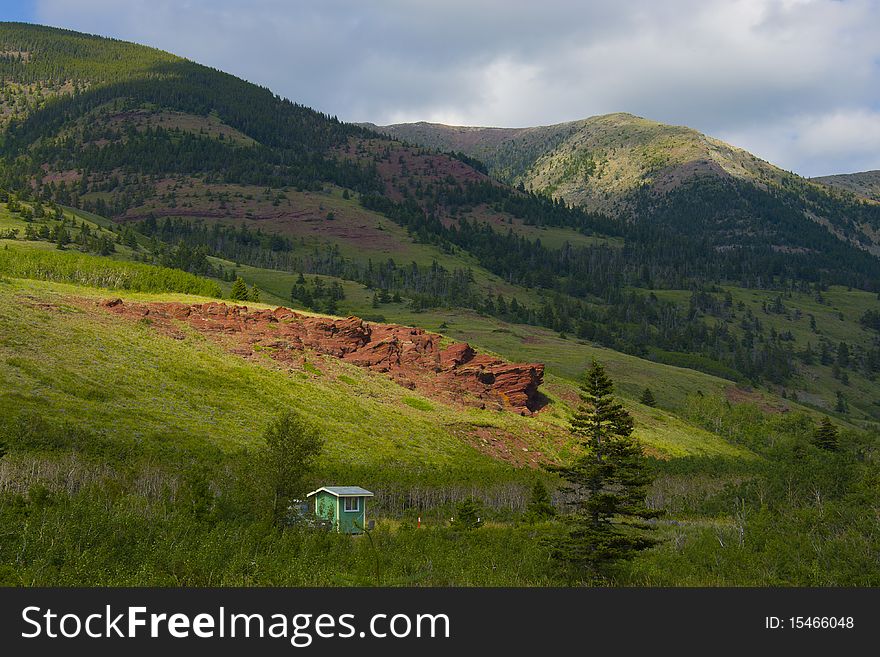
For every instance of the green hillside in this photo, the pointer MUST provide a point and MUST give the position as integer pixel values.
(594, 161)
(89, 274)
(810, 325)
(199, 164)
(103, 414)
(620, 163)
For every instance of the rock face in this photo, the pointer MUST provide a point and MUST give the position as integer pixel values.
(410, 356)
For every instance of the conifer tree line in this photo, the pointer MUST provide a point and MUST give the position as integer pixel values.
(424, 286)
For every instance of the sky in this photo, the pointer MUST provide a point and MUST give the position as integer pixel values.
(797, 82)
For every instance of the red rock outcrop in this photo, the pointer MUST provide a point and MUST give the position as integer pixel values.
(411, 356)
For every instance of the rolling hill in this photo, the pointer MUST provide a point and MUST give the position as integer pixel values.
(201, 171)
(649, 172)
(595, 161)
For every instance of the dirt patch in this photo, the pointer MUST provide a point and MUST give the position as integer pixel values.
(410, 356)
(400, 165)
(23, 55)
(736, 395)
(291, 213)
(670, 178)
(502, 445)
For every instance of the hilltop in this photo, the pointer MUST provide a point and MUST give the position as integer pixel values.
(593, 161)
(651, 172)
(865, 184)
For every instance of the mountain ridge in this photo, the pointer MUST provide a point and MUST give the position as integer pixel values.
(865, 184)
(683, 145)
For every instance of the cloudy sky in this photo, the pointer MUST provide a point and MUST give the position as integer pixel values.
(794, 81)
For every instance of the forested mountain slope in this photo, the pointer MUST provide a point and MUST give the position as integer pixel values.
(145, 199)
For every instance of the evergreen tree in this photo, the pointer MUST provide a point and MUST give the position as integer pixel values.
(467, 514)
(647, 398)
(62, 238)
(608, 481)
(254, 294)
(541, 505)
(826, 436)
(239, 290)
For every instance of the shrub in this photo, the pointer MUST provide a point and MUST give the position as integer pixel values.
(418, 404)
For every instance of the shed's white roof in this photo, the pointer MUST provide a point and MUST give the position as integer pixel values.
(343, 491)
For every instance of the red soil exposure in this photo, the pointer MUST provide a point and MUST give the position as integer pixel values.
(738, 395)
(503, 445)
(411, 356)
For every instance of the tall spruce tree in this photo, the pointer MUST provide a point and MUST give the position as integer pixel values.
(609, 482)
(826, 436)
(541, 505)
(239, 290)
(647, 398)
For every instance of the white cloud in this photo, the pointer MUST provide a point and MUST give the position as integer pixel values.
(837, 142)
(772, 74)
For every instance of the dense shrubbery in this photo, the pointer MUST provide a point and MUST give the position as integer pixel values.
(77, 508)
(81, 508)
(95, 271)
(797, 515)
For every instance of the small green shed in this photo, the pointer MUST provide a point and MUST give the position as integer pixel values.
(344, 506)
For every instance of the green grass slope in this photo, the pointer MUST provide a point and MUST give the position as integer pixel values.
(64, 357)
(139, 382)
(805, 320)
